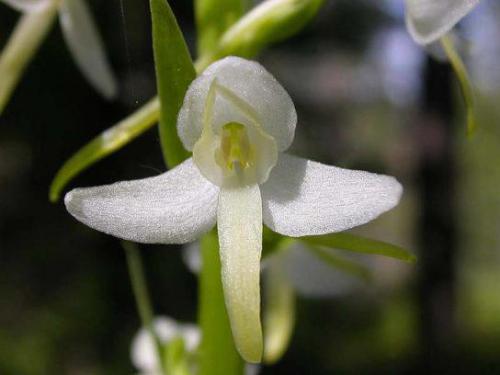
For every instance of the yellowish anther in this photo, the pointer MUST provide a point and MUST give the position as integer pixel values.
(235, 151)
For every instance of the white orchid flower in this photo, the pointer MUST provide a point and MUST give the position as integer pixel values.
(238, 121)
(429, 20)
(79, 31)
(143, 352)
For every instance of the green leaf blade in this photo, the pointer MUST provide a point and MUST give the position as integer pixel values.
(174, 73)
(105, 144)
(351, 242)
(340, 263)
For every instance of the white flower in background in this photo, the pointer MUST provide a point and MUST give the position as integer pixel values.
(238, 121)
(429, 20)
(310, 276)
(143, 352)
(81, 36)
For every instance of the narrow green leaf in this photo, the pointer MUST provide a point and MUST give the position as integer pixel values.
(340, 263)
(217, 354)
(22, 45)
(176, 358)
(174, 73)
(267, 23)
(104, 144)
(464, 82)
(213, 18)
(346, 241)
(279, 311)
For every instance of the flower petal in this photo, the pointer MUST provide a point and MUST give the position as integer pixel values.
(25, 5)
(239, 222)
(86, 46)
(175, 207)
(303, 197)
(429, 20)
(255, 86)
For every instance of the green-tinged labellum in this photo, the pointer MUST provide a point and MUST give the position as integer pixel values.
(217, 353)
(340, 263)
(105, 144)
(213, 18)
(347, 241)
(464, 82)
(279, 311)
(174, 73)
(239, 225)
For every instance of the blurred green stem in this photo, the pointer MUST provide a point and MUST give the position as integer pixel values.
(21, 47)
(217, 352)
(464, 82)
(175, 358)
(141, 295)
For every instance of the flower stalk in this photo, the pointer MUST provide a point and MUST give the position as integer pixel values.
(464, 82)
(141, 295)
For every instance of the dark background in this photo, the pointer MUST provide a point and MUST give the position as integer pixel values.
(367, 98)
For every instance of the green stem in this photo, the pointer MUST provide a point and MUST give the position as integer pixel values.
(217, 352)
(22, 46)
(464, 81)
(176, 357)
(141, 295)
